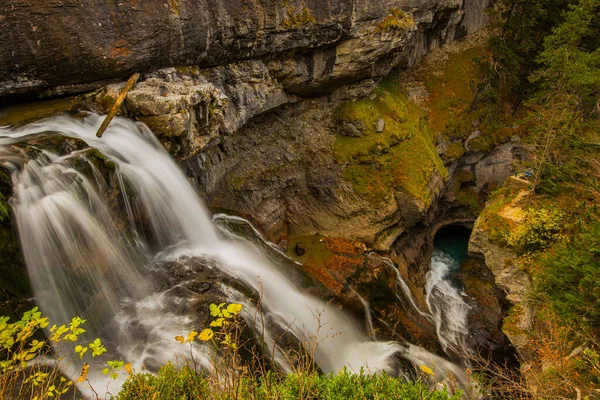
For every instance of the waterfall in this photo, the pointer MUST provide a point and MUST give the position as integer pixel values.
(85, 261)
(80, 265)
(446, 304)
(403, 286)
(368, 317)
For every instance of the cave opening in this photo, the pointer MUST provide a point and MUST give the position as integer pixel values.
(454, 241)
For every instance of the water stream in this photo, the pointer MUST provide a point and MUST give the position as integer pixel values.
(85, 261)
(444, 297)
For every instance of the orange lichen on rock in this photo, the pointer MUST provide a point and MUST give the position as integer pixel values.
(120, 49)
(339, 245)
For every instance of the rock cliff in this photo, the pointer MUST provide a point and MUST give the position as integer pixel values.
(58, 47)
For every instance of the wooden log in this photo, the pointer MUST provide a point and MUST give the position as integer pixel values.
(115, 108)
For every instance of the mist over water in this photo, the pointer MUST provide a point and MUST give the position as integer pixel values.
(85, 261)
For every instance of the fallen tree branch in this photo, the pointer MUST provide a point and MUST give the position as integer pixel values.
(115, 108)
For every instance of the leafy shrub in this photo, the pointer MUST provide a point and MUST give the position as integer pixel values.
(540, 228)
(258, 383)
(23, 374)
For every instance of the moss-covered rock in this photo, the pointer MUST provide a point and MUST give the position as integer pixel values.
(402, 157)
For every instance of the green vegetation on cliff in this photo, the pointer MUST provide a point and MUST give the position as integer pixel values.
(546, 70)
(399, 154)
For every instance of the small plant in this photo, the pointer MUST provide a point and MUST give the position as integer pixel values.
(296, 19)
(540, 228)
(396, 20)
(23, 372)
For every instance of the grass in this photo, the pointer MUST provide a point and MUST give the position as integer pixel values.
(184, 383)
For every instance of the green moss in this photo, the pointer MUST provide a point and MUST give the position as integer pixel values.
(188, 70)
(498, 227)
(316, 250)
(20, 114)
(396, 20)
(469, 196)
(452, 85)
(480, 143)
(402, 157)
(463, 175)
(455, 150)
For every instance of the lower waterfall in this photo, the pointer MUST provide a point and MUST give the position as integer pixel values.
(84, 261)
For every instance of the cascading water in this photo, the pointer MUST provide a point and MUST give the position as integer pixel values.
(401, 284)
(82, 261)
(446, 304)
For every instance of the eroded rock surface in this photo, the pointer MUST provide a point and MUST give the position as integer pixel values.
(70, 46)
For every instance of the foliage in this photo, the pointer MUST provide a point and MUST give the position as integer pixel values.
(172, 383)
(540, 228)
(396, 20)
(570, 278)
(561, 362)
(186, 382)
(525, 24)
(568, 65)
(24, 373)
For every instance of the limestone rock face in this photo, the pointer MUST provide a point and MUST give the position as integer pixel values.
(501, 261)
(57, 47)
(189, 108)
(508, 275)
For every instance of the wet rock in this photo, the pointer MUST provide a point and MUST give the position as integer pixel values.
(189, 109)
(199, 287)
(300, 249)
(283, 245)
(486, 315)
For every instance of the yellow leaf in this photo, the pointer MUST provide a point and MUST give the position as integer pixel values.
(180, 339)
(127, 368)
(206, 335)
(234, 308)
(217, 322)
(84, 372)
(426, 370)
(191, 336)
